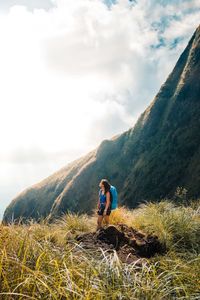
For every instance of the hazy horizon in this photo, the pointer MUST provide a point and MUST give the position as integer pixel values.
(76, 72)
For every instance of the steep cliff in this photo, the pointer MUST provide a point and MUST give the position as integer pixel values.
(149, 161)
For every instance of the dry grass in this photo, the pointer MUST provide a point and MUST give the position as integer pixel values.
(43, 261)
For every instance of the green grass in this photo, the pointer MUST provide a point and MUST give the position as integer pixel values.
(43, 261)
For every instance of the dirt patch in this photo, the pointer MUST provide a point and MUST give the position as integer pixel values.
(129, 243)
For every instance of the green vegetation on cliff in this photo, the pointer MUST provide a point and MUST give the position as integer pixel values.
(146, 162)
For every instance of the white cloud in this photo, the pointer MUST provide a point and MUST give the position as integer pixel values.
(5, 5)
(80, 72)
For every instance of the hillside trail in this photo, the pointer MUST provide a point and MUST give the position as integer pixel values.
(129, 243)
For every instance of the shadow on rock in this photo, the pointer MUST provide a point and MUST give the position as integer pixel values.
(129, 243)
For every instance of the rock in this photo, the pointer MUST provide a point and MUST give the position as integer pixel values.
(129, 243)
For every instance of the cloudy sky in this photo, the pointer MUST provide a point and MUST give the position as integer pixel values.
(73, 73)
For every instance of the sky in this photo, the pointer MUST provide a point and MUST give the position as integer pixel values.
(74, 73)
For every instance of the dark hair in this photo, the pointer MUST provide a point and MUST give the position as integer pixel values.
(106, 184)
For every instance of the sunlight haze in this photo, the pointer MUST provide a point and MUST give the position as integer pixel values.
(76, 72)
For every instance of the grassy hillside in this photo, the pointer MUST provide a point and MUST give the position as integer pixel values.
(37, 200)
(44, 261)
(161, 152)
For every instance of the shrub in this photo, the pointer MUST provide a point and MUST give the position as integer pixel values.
(176, 226)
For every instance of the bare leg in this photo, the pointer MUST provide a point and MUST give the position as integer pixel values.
(106, 218)
(99, 222)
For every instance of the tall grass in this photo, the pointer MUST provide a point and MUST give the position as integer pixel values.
(43, 261)
(176, 226)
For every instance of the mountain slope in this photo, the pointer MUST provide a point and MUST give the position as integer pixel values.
(148, 161)
(38, 199)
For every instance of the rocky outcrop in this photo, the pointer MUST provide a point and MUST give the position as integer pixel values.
(129, 243)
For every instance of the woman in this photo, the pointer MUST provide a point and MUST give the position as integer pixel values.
(104, 202)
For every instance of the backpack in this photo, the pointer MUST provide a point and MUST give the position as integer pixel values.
(114, 198)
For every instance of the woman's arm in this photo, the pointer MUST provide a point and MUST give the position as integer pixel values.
(107, 202)
(98, 204)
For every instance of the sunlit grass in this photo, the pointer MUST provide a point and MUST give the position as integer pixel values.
(43, 261)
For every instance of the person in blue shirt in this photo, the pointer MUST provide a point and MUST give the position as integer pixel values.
(104, 202)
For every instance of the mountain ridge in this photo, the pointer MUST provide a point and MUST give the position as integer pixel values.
(147, 161)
